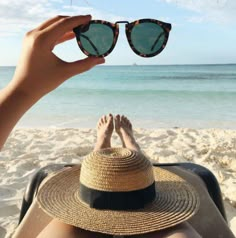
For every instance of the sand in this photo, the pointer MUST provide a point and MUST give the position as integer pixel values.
(29, 149)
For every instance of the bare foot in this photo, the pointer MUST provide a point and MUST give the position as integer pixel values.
(104, 131)
(124, 129)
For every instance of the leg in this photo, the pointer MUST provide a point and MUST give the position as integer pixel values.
(208, 221)
(34, 221)
(58, 229)
(124, 129)
(104, 131)
(183, 230)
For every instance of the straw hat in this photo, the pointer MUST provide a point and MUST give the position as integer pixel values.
(117, 191)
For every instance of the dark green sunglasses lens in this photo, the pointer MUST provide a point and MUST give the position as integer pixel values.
(97, 39)
(147, 38)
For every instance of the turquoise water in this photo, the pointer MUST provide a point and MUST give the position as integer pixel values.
(197, 96)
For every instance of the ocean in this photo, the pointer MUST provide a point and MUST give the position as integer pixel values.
(157, 96)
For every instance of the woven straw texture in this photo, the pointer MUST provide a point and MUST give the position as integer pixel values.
(176, 201)
(116, 169)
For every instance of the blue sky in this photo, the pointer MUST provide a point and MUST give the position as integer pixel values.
(203, 31)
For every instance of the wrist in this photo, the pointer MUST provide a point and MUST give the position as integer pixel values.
(13, 104)
(20, 96)
(19, 89)
(17, 100)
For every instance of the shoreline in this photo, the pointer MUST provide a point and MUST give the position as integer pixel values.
(28, 149)
(139, 125)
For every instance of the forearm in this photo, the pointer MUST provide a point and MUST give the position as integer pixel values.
(13, 104)
(39, 70)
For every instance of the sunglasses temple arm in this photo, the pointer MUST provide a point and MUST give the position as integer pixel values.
(153, 46)
(91, 43)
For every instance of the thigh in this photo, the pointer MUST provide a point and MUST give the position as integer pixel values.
(57, 229)
(208, 221)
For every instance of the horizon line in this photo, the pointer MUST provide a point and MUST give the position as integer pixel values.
(135, 64)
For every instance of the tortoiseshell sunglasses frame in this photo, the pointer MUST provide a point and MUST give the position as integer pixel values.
(128, 29)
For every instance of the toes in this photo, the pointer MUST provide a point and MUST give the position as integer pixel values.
(117, 118)
(126, 122)
(104, 119)
(117, 121)
(130, 126)
(122, 120)
(110, 121)
(100, 121)
(110, 116)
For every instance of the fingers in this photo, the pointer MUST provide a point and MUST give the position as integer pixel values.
(67, 36)
(80, 66)
(50, 22)
(60, 27)
(57, 30)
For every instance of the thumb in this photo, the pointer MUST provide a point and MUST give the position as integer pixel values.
(81, 66)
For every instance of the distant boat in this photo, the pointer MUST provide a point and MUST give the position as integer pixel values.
(134, 64)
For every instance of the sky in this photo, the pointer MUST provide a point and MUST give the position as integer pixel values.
(203, 31)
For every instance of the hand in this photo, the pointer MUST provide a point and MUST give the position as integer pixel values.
(39, 71)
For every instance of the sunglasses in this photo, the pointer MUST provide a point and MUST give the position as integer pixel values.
(146, 37)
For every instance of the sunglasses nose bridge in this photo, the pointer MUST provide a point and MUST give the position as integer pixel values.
(118, 22)
(127, 31)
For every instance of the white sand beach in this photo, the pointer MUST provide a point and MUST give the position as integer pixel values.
(30, 149)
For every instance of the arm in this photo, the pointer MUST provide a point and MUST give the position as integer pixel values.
(39, 71)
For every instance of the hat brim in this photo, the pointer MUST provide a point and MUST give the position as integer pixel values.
(176, 201)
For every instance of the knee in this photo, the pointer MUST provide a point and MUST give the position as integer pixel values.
(183, 230)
